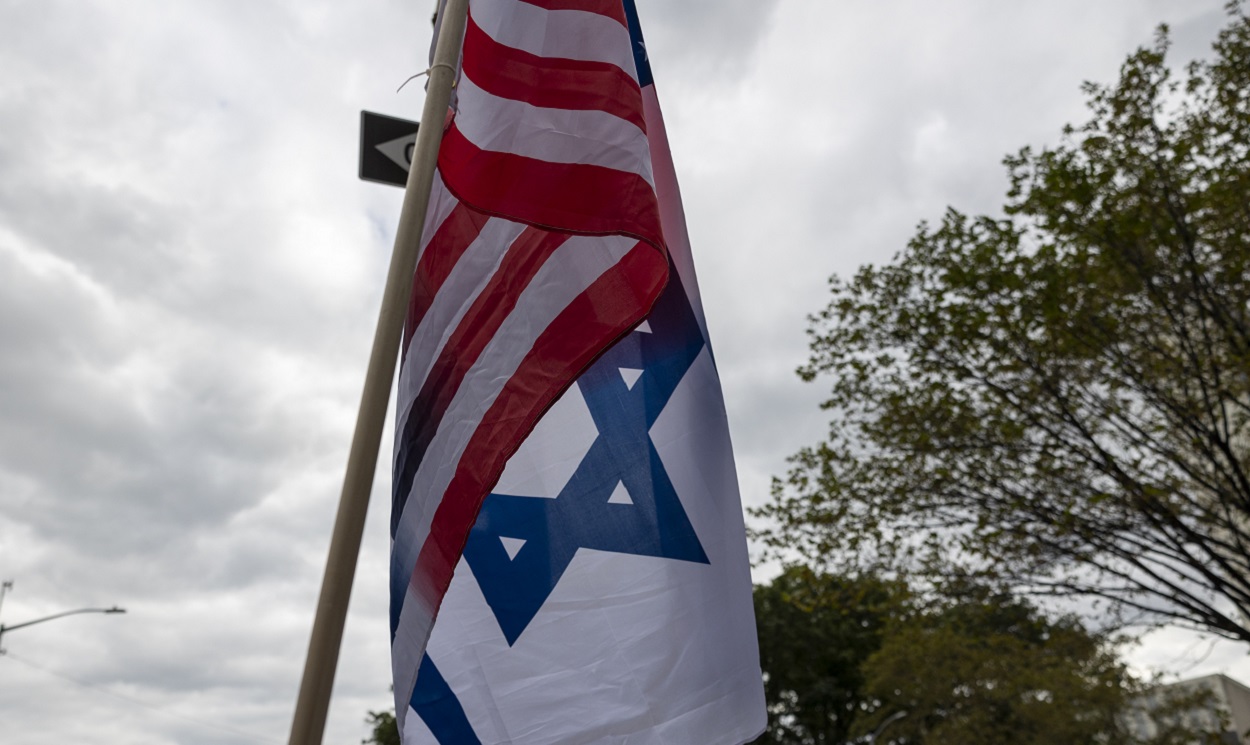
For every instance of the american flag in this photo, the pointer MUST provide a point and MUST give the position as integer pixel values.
(542, 247)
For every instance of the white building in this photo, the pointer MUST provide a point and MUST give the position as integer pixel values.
(1226, 707)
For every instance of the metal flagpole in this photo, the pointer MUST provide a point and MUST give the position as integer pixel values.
(309, 722)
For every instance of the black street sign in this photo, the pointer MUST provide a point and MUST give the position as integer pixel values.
(386, 145)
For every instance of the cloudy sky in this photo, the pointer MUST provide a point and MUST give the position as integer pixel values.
(190, 273)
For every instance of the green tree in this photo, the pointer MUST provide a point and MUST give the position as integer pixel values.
(846, 658)
(815, 631)
(385, 729)
(992, 669)
(1059, 399)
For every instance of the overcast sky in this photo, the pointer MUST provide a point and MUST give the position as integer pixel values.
(190, 273)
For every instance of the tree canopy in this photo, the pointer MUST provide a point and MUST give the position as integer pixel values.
(384, 729)
(1058, 399)
(849, 658)
(991, 669)
(815, 632)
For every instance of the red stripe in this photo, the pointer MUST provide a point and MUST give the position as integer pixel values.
(549, 82)
(524, 258)
(577, 198)
(612, 305)
(613, 9)
(445, 248)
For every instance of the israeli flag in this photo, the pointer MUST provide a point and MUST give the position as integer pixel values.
(604, 594)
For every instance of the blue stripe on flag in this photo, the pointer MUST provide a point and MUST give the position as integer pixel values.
(439, 708)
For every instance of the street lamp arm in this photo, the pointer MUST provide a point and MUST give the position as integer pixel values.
(114, 609)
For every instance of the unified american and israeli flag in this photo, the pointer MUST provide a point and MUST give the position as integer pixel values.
(564, 497)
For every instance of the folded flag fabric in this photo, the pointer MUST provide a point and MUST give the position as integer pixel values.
(601, 588)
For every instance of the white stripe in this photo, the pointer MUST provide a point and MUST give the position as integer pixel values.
(593, 137)
(410, 641)
(442, 202)
(567, 273)
(564, 34)
(476, 267)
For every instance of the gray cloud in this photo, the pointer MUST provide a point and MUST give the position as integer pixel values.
(189, 273)
(711, 41)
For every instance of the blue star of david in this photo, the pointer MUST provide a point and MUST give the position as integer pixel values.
(650, 521)
(653, 523)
